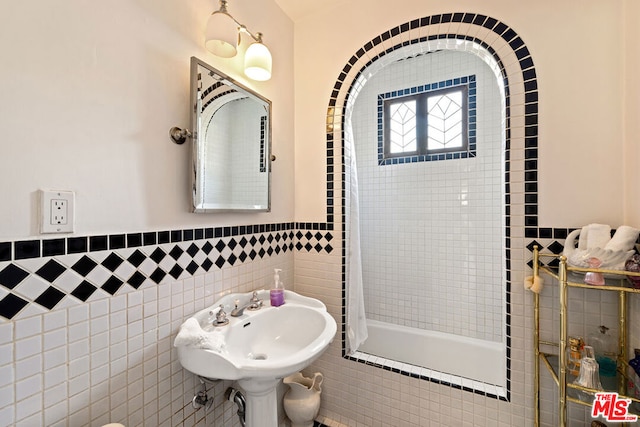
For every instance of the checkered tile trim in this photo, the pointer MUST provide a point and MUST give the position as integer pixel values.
(551, 241)
(72, 277)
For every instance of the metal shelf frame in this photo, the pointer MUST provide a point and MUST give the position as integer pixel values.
(560, 375)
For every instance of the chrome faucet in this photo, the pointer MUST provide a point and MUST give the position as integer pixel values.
(221, 317)
(254, 303)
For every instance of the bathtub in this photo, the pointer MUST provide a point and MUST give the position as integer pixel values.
(469, 358)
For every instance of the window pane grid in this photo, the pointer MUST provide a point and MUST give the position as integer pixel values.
(402, 127)
(445, 118)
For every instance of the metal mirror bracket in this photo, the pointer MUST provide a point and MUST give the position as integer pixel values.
(179, 136)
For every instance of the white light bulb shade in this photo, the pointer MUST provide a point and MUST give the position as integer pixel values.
(221, 35)
(257, 62)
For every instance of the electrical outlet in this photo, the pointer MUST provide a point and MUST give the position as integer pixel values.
(57, 211)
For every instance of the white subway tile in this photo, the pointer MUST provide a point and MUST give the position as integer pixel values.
(55, 414)
(81, 417)
(7, 395)
(78, 402)
(134, 299)
(100, 358)
(134, 313)
(78, 349)
(6, 332)
(55, 338)
(55, 319)
(99, 341)
(55, 395)
(117, 334)
(55, 376)
(78, 331)
(55, 357)
(28, 327)
(118, 351)
(99, 324)
(28, 366)
(7, 415)
(28, 407)
(99, 375)
(118, 303)
(6, 354)
(79, 384)
(79, 313)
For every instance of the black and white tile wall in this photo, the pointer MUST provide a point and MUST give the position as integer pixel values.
(39, 275)
(517, 69)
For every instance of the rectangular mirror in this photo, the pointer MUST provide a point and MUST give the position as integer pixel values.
(231, 143)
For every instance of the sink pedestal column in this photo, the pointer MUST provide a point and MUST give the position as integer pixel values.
(261, 399)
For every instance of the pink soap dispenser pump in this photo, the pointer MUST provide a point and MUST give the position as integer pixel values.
(276, 295)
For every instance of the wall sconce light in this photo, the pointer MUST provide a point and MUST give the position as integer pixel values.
(222, 36)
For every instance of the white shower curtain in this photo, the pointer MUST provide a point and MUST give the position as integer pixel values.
(356, 322)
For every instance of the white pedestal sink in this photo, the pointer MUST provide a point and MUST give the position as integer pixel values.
(258, 348)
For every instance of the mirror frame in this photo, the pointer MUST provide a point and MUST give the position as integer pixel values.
(197, 198)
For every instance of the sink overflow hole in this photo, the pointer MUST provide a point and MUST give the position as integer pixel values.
(259, 356)
(246, 324)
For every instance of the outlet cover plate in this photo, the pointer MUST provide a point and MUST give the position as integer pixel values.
(57, 211)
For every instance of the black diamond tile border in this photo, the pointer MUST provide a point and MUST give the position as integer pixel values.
(177, 255)
(554, 244)
(12, 275)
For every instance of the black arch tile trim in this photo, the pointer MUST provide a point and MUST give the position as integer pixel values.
(431, 379)
(531, 132)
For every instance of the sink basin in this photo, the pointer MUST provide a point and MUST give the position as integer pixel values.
(269, 343)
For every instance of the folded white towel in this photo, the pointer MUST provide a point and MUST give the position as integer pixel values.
(584, 238)
(191, 334)
(624, 239)
(598, 235)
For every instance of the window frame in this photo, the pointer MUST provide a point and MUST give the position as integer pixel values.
(421, 94)
(422, 122)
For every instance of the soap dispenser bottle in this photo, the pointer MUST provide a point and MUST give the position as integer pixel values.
(276, 294)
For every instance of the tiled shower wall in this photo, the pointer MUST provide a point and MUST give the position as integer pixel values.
(432, 231)
(362, 394)
(87, 331)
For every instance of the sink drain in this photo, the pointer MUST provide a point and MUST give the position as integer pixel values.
(260, 356)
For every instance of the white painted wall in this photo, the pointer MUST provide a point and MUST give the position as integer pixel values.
(632, 112)
(88, 94)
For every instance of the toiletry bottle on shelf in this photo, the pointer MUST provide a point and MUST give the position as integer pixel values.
(604, 347)
(276, 295)
(589, 375)
(574, 355)
(591, 277)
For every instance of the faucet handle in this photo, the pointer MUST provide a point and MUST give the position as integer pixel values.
(255, 303)
(221, 317)
(254, 298)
